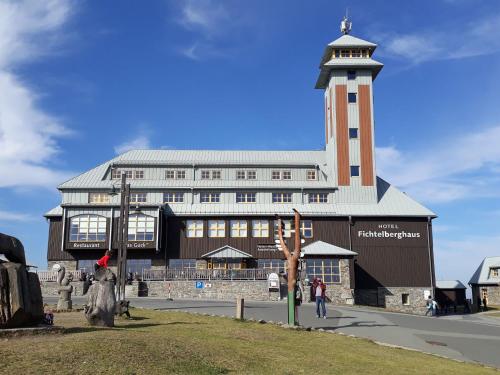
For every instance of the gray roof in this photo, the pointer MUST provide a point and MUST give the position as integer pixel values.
(325, 248)
(347, 40)
(94, 178)
(226, 252)
(482, 274)
(327, 63)
(56, 211)
(346, 63)
(450, 284)
(219, 157)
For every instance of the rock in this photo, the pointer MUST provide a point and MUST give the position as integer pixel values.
(101, 304)
(20, 296)
(261, 321)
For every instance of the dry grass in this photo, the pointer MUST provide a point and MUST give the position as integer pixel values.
(178, 343)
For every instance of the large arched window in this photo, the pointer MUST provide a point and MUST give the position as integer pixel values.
(87, 228)
(141, 227)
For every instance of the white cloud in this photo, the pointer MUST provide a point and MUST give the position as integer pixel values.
(212, 25)
(459, 258)
(8, 216)
(479, 37)
(28, 135)
(205, 16)
(456, 169)
(138, 143)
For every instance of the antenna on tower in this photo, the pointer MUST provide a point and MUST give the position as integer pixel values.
(346, 25)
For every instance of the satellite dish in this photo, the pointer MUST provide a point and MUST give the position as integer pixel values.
(56, 267)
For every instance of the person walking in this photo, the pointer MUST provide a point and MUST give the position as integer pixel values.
(429, 306)
(320, 293)
(435, 307)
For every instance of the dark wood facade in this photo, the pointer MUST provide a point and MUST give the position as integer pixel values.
(383, 259)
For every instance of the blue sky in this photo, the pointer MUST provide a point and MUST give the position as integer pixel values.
(81, 81)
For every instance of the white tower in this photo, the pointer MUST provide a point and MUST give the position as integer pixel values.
(346, 75)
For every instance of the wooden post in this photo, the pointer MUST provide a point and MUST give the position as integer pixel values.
(240, 308)
(293, 262)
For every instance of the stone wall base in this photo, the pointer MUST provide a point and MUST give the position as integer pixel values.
(49, 288)
(402, 299)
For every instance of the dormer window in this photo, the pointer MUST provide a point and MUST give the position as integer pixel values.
(495, 272)
(345, 53)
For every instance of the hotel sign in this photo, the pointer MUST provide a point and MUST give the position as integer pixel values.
(390, 231)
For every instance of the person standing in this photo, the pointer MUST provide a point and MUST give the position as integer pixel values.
(434, 307)
(485, 303)
(320, 293)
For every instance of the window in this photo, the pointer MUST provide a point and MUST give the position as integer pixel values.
(138, 175)
(171, 174)
(246, 197)
(116, 174)
(353, 133)
(274, 264)
(240, 175)
(354, 170)
(351, 97)
(216, 175)
(405, 299)
(337, 53)
(356, 53)
(216, 228)
(287, 228)
(138, 265)
(275, 175)
(205, 175)
(345, 53)
(98, 198)
(364, 53)
(326, 269)
(87, 265)
(141, 227)
(182, 263)
(194, 228)
(129, 174)
(286, 175)
(351, 74)
(306, 228)
(311, 174)
(210, 197)
(495, 272)
(238, 228)
(138, 197)
(87, 228)
(282, 197)
(173, 197)
(260, 228)
(317, 197)
(251, 175)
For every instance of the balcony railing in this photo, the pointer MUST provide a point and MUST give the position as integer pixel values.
(208, 274)
(52, 275)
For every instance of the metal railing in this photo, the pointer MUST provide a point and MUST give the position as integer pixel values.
(208, 274)
(52, 275)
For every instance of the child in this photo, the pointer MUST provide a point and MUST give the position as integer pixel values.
(103, 262)
(48, 316)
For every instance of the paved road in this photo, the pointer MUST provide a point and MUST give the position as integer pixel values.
(474, 338)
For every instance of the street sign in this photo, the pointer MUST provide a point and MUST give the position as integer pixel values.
(199, 285)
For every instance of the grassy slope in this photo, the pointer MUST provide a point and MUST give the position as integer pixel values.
(179, 343)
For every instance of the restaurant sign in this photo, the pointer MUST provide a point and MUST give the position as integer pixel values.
(86, 245)
(141, 245)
